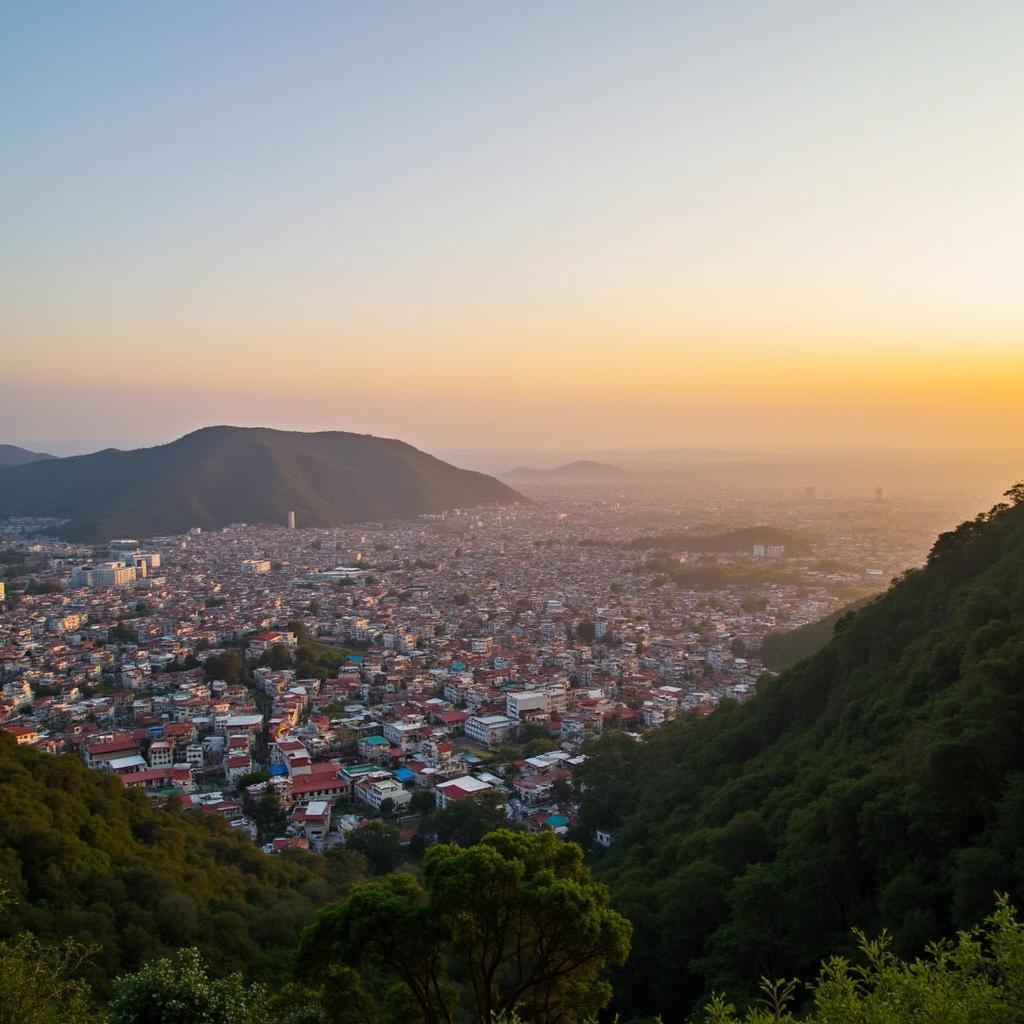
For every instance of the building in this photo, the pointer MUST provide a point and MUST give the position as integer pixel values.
(314, 819)
(105, 574)
(517, 704)
(490, 730)
(465, 788)
(374, 789)
(291, 519)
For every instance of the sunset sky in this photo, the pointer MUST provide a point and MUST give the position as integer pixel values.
(514, 224)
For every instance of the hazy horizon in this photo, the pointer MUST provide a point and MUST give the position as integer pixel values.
(587, 225)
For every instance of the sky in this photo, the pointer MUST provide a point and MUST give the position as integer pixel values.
(514, 225)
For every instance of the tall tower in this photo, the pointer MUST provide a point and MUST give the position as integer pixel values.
(291, 520)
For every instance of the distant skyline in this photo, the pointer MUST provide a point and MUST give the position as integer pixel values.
(580, 226)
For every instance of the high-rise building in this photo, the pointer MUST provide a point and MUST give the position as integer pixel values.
(291, 520)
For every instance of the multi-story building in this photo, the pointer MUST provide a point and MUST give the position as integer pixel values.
(490, 730)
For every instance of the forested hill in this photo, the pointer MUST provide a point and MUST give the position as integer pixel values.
(82, 858)
(780, 650)
(878, 784)
(222, 475)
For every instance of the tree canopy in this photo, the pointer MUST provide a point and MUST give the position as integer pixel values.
(513, 923)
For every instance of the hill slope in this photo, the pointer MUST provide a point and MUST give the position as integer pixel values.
(12, 455)
(221, 475)
(879, 783)
(87, 860)
(780, 650)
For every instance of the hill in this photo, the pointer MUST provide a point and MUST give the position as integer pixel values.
(879, 783)
(582, 469)
(728, 541)
(12, 455)
(85, 859)
(780, 650)
(222, 475)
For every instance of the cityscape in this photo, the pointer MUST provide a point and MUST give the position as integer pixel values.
(467, 652)
(511, 512)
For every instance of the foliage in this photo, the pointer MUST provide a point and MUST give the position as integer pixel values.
(178, 990)
(729, 542)
(780, 650)
(91, 861)
(516, 919)
(879, 783)
(38, 983)
(379, 843)
(979, 977)
(228, 666)
(276, 658)
(715, 576)
(466, 822)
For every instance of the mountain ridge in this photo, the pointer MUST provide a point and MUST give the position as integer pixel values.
(580, 469)
(11, 455)
(222, 474)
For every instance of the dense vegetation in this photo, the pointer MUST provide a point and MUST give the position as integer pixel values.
(978, 977)
(716, 576)
(220, 475)
(878, 784)
(86, 860)
(780, 650)
(728, 542)
(513, 923)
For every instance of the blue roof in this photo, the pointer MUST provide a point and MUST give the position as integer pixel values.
(278, 769)
(556, 820)
(404, 775)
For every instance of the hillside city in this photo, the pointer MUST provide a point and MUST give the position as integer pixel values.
(304, 682)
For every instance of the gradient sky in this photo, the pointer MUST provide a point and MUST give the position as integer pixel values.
(517, 224)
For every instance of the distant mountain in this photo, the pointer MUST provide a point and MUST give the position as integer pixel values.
(221, 475)
(582, 469)
(12, 455)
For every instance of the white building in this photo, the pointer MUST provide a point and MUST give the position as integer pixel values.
(467, 787)
(490, 730)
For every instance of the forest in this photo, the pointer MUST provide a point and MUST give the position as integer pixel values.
(877, 784)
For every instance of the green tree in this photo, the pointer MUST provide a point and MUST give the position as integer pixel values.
(268, 815)
(277, 657)
(423, 801)
(387, 925)
(229, 666)
(977, 977)
(379, 843)
(38, 983)
(466, 822)
(178, 990)
(517, 916)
